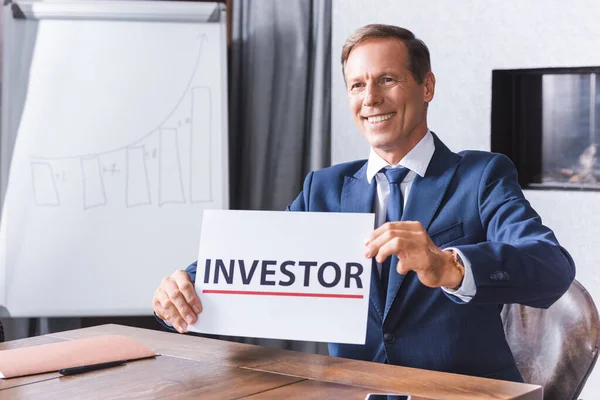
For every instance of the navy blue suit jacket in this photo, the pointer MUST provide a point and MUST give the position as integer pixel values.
(470, 201)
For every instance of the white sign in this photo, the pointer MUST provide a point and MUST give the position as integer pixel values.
(284, 275)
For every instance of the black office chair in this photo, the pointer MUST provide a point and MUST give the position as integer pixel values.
(555, 348)
(1, 332)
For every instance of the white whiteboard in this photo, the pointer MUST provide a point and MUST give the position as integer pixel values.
(121, 145)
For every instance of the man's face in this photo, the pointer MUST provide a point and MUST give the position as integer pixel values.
(388, 105)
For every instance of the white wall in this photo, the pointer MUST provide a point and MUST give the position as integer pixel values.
(467, 40)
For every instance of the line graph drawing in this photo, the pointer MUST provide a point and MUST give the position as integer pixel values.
(155, 165)
(152, 131)
(45, 192)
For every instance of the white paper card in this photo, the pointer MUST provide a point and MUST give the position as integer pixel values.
(284, 275)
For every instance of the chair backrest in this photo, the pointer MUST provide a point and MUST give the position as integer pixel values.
(1, 332)
(556, 347)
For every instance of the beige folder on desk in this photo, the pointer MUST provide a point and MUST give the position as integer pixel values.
(68, 354)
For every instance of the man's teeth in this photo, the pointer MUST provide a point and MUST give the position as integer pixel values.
(380, 118)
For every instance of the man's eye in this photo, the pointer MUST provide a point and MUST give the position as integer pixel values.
(356, 86)
(387, 80)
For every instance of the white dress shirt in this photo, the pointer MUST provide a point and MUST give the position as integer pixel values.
(417, 160)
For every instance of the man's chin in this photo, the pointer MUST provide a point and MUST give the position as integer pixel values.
(379, 141)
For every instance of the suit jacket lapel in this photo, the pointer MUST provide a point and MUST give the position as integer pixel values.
(358, 196)
(425, 197)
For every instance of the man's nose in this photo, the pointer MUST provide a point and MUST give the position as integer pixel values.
(372, 96)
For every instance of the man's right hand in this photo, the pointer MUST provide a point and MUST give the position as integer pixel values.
(175, 301)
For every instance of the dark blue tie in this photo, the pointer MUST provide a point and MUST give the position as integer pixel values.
(395, 176)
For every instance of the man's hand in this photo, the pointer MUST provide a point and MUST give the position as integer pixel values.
(416, 252)
(176, 302)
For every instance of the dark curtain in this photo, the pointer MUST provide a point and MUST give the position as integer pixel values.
(279, 104)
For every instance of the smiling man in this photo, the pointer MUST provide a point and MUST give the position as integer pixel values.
(455, 238)
(388, 101)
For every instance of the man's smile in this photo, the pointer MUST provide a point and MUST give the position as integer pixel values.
(379, 117)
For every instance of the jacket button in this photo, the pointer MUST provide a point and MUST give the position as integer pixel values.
(388, 338)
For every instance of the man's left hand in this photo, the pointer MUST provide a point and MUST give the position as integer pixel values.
(416, 252)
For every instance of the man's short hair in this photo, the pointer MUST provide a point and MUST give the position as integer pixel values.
(419, 63)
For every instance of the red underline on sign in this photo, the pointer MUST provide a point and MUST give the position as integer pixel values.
(290, 294)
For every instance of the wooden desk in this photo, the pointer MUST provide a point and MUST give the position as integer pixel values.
(194, 367)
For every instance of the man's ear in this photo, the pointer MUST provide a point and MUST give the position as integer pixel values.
(428, 87)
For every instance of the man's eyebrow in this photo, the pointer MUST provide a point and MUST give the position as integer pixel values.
(391, 72)
(396, 75)
(362, 78)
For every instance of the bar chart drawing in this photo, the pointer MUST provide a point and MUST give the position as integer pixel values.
(200, 146)
(137, 179)
(170, 181)
(151, 170)
(94, 194)
(45, 192)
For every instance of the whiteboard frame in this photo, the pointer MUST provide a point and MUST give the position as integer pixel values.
(149, 11)
(118, 10)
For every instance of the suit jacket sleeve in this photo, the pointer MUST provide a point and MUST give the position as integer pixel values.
(301, 202)
(521, 261)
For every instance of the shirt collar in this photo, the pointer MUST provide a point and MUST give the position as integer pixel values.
(416, 160)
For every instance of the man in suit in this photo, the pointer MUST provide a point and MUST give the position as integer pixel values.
(455, 239)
